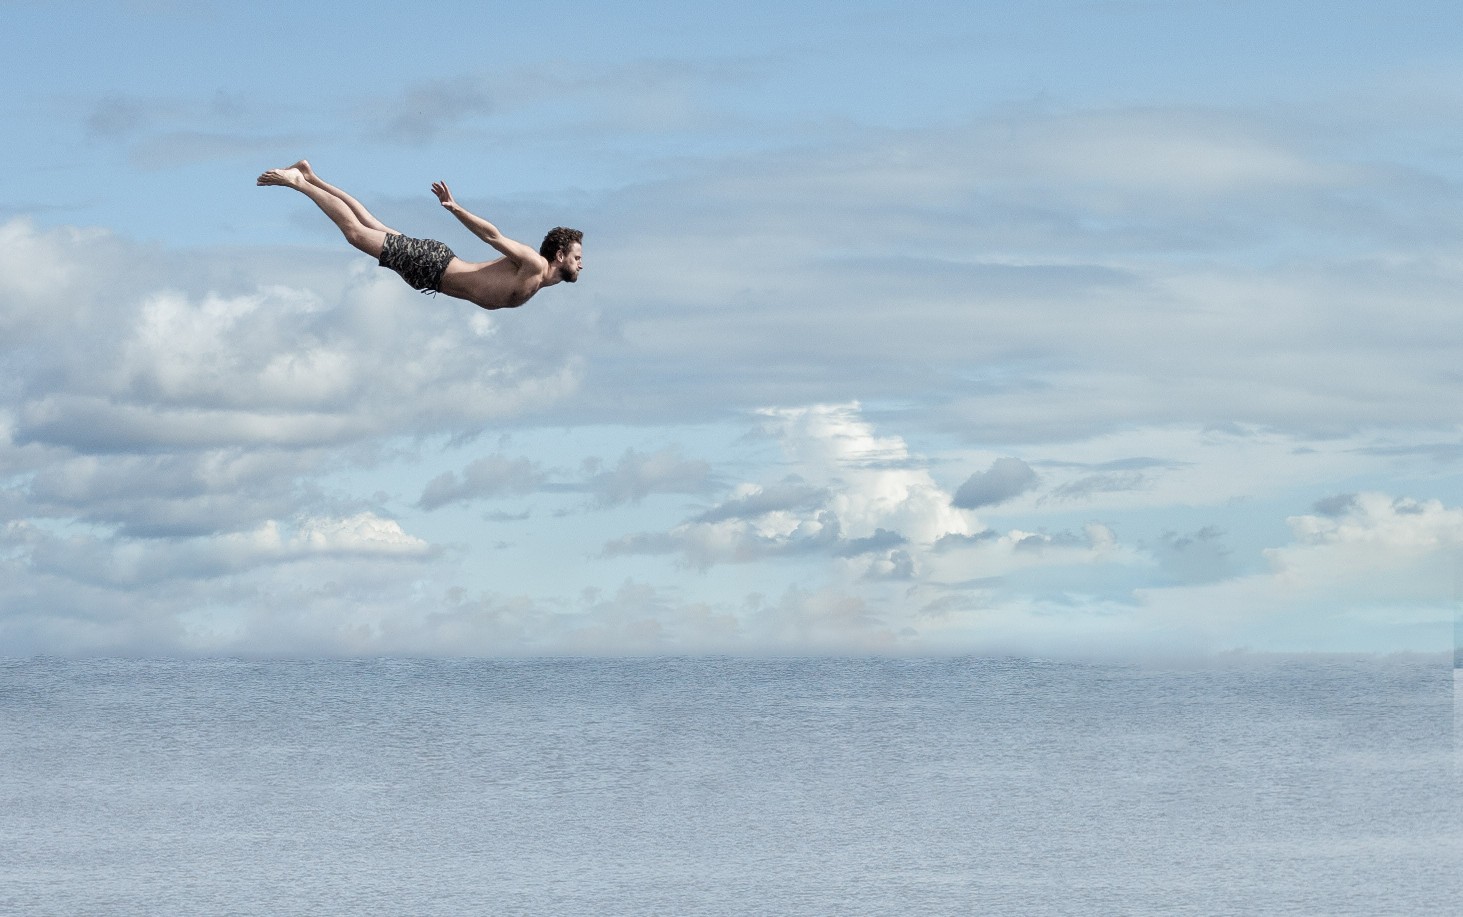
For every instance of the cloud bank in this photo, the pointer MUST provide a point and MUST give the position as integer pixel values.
(1104, 378)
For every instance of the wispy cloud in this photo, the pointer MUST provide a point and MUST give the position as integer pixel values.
(633, 477)
(637, 475)
(490, 476)
(423, 112)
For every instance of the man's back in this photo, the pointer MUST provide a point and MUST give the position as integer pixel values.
(500, 284)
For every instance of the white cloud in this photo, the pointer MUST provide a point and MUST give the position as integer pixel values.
(126, 368)
(33, 268)
(170, 495)
(1207, 268)
(205, 352)
(1377, 575)
(879, 484)
(184, 430)
(1385, 547)
(133, 563)
(850, 494)
(363, 533)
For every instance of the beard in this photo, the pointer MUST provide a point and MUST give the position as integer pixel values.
(568, 275)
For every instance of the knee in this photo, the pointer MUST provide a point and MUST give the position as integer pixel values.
(367, 240)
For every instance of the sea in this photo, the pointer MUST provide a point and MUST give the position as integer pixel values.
(1244, 784)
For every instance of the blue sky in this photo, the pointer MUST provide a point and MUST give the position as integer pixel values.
(1108, 327)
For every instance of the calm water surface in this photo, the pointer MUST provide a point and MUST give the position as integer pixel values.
(729, 787)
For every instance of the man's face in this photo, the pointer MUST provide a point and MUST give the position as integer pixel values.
(571, 262)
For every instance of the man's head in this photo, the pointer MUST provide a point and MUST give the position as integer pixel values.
(563, 248)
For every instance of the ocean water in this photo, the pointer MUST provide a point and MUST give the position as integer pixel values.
(729, 787)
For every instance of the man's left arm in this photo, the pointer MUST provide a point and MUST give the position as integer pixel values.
(514, 251)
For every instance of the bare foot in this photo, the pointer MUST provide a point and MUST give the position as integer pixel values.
(289, 177)
(303, 167)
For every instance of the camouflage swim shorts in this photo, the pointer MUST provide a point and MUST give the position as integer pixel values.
(420, 262)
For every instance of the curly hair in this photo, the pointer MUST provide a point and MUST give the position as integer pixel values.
(558, 240)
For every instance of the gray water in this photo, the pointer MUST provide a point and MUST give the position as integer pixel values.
(736, 787)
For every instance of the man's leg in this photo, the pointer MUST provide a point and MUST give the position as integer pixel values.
(366, 237)
(356, 207)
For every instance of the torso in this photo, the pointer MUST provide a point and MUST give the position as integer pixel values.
(491, 284)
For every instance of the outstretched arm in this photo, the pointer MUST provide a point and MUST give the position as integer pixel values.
(514, 251)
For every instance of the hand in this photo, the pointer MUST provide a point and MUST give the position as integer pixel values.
(443, 194)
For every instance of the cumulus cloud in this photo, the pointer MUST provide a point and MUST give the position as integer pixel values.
(880, 484)
(125, 368)
(1376, 574)
(853, 495)
(1374, 532)
(363, 533)
(174, 420)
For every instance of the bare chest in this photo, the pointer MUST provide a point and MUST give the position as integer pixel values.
(492, 285)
